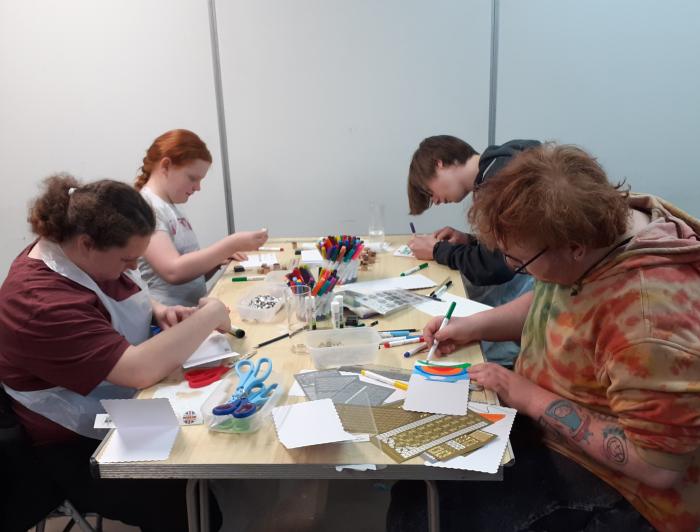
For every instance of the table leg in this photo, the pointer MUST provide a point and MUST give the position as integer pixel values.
(191, 493)
(203, 505)
(433, 506)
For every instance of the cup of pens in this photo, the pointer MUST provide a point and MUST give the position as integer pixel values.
(297, 298)
(341, 254)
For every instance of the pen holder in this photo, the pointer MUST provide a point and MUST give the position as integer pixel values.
(346, 271)
(323, 306)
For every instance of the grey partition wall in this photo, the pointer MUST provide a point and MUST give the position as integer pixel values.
(326, 100)
(87, 86)
(621, 79)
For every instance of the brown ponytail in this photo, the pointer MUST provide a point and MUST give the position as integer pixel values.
(178, 145)
(109, 212)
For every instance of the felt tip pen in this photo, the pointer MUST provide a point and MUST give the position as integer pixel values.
(413, 227)
(441, 291)
(238, 268)
(270, 248)
(414, 269)
(415, 350)
(445, 321)
(404, 341)
(447, 282)
(394, 334)
(381, 378)
(248, 278)
(235, 331)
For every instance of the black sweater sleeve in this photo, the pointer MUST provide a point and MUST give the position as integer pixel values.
(478, 263)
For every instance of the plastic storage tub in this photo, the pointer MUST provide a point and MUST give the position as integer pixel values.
(233, 425)
(331, 348)
(249, 312)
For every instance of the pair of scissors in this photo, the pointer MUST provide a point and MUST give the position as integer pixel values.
(250, 402)
(198, 378)
(248, 372)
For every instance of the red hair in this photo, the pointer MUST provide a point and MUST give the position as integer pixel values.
(178, 145)
(550, 196)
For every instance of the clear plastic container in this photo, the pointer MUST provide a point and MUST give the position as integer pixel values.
(251, 313)
(233, 425)
(331, 348)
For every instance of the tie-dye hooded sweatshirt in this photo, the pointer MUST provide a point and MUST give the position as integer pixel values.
(628, 345)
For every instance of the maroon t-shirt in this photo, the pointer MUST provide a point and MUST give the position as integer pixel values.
(55, 332)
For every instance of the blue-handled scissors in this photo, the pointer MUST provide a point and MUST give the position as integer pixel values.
(249, 371)
(253, 399)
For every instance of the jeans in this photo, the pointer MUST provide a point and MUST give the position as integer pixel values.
(542, 491)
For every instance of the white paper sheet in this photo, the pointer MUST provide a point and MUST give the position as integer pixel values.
(311, 256)
(258, 259)
(146, 430)
(186, 402)
(398, 395)
(437, 394)
(409, 282)
(215, 347)
(310, 423)
(465, 307)
(404, 251)
(488, 458)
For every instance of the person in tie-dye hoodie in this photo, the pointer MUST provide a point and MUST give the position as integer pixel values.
(610, 338)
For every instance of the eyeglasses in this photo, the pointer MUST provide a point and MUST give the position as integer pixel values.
(522, 268)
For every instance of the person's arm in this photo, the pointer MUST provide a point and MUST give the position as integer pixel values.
(601, 437)
(177, 269)
(479, 264)
(500, 324)
(146, 364)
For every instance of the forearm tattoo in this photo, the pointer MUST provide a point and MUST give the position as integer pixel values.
(567, 414)
(615, 444)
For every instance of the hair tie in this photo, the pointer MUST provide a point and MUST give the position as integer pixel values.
(71, 190)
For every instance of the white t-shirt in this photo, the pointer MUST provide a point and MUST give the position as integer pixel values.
(172, 220)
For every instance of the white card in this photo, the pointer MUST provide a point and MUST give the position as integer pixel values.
(215, 347)
(311, 256)
(464, 307)
(186, 402)
(310, 423)
(257, 260)
(438, 389)
(488, 458)
(404, 251)
(146, 430)
(414, 281)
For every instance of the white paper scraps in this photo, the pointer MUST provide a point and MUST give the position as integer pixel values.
(146, 430)
(415, 281)
(311, 256)
(310, 423)
(186, 402)
(465, 307)
(215, 347)
(438, 389)
(404, 251)
(258, 259)
(488, 458)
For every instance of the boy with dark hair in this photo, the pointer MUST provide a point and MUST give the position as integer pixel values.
(445, 169)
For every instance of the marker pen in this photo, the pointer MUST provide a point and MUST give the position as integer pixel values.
(415, 269)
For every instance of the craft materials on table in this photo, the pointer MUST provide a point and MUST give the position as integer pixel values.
(414, 269)
(262, 302)
(438, 388)
(215, 347)
(342, 254)
(344, 389)
(404, 251)
(410, 282)
(463, 306)
(488, 458)
(417, 349)
(251, 393)
(187, 402)
(309, 423)
(256, 260)
(403, 435)
(385, 302)
(318, 303)
(440, 289)
(401, 385)
(146, 430)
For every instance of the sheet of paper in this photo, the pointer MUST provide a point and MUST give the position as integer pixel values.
(414, 281)
(438, 389)
(310, 423)
(186, 402)
(465, 307)
(258, 259)
(215, 347)
(404, 251)
(311, 256)
(488, 458)
(146, 430)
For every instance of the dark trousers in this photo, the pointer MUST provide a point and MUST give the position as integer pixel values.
(542, 491)
(153, 505)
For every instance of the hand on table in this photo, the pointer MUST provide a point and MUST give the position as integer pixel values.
(452, 235)
(458, 332)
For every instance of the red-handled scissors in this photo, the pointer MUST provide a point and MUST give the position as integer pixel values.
(199, 378)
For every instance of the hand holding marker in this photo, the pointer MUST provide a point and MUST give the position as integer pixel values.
(445, 321)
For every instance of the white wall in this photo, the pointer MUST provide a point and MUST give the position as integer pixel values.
(87, 86)
(326, 100)
(620, 79)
